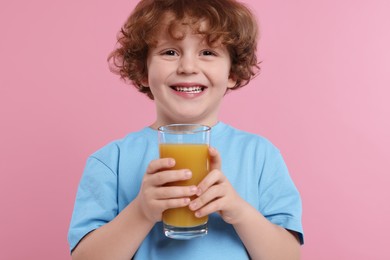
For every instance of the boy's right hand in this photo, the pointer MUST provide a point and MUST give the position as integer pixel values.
(154, 197)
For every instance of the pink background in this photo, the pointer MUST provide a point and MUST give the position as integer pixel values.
(322, 98)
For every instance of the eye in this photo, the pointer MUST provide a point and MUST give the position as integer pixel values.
(208, 53)
(169, 53)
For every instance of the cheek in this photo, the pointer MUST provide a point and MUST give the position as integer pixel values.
(159, 70)
(154, 74)
(221, 76)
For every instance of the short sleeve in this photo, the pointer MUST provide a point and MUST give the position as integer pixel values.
(96, 200)
(280, 200)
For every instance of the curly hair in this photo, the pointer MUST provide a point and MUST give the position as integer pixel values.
(229, 22)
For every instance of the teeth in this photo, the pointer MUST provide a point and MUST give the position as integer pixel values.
(195, 89)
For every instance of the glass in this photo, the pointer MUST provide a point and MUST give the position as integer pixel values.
(188, 145)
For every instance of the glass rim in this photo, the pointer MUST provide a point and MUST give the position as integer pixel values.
(173, 128)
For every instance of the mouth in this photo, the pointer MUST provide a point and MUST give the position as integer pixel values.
(189, 89)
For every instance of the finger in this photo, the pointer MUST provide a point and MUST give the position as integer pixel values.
(215, 159)
(175, 203)
(214, 206)
(214, 177)
(171, 192)
(165, 177)
(212, 194)
(160, 164)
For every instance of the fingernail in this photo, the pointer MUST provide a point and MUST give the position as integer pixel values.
(188, 173)
(171, 162)
(197, 214)
(194, 189)
(192, 205)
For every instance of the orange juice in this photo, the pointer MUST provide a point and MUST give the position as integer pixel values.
(195, 158)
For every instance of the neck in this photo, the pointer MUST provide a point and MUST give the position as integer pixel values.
(157, 124)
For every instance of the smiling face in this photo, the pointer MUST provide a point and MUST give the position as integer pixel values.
(188, 78)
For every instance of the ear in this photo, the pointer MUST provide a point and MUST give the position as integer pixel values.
(145, 82)
(232, 81)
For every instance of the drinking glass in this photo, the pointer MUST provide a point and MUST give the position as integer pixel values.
(188, 145)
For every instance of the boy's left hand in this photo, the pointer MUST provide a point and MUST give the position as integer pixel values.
(216, 194)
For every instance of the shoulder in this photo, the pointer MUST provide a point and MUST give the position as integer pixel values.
(131, 142)
(229, 134)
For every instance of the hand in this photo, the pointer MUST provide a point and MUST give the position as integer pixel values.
(216, 194)
(153, 197)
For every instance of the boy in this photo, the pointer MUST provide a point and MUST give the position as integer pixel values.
(185, 55)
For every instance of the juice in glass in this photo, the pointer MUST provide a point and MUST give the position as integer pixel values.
(195, 158)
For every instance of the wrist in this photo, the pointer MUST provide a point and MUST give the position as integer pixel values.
(244, 215)
(138, 211)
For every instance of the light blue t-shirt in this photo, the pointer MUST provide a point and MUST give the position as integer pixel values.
(113, 175)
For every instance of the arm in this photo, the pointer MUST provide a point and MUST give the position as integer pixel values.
(121, 237)
(118, 239)
(262, 239)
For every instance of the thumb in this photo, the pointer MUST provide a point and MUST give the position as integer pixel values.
(214, 159)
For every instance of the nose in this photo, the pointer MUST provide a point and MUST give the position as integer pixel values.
(188, 65)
